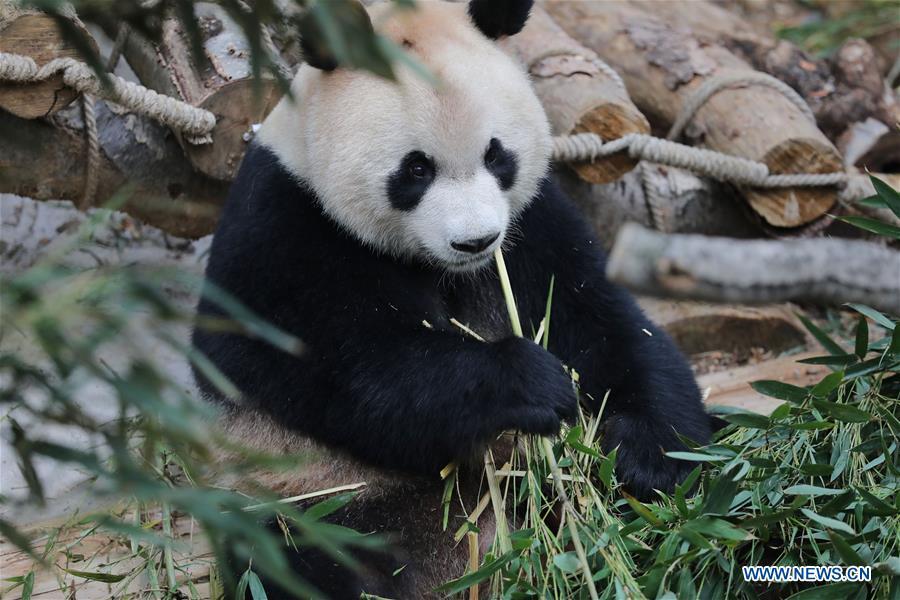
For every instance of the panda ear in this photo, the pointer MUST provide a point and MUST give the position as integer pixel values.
(350, 14)
(496, 18)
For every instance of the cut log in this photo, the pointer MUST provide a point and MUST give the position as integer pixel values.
(661, 197)
(577, 93)
(698, 327)
(36, 35)
(845, 89)
(824, 271)
(732, 387)
(664, 64)
(222, 83)
(46, 162)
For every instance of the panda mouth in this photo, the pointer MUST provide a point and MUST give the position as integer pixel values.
(469, 263)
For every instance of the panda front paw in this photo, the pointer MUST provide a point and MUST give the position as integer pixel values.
(540, 394)
(641, 464)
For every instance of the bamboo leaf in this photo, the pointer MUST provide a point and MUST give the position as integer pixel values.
(828, 522)
(889, 195)
(781, 391)
(873, 226)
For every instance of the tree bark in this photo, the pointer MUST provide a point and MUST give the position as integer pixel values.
(699, 327)
(139, 159)
(661, 197)
(663, 64)
(841, 90)
(38, 36)
(578, 96)
(825, 271)
(221, 83)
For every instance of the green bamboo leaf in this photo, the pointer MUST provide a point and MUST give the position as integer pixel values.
(828, 522)
(887, 194)
(832, 591)
(642, 510)
(257, 591)
(873, 226)
(719, 529)
(567, 562)
(749, 420)
(466, 581)
(811, 490)
(835, 361)
(781, 391)
(873, 314)
(822, 337)
(843, 412)
(28, 586)
(607, 468)
(696, 457)
(862, 337)
(828, 384)
(103, 577)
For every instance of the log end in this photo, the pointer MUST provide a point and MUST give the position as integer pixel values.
(238, 106)
(610, 121)
(37, 36)
(793, 207)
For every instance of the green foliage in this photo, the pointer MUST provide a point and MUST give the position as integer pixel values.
(866, 19)
(339, 27)
(813, 483)
(161, 453)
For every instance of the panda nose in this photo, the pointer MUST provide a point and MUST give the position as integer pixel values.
(475, 245)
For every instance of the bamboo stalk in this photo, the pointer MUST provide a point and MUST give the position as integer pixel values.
(473, 562)
(545, 443)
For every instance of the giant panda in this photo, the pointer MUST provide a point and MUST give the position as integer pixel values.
(363, 218)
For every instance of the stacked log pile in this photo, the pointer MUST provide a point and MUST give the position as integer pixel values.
(660, 53)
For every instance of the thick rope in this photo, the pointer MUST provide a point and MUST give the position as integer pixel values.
(195, 123)
(724, 167)
(91, 176)
(714, 85)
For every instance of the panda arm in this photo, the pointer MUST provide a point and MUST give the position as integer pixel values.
(597, 328)
(415, 399)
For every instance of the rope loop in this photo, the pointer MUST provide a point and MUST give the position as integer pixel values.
(195, 123)
(714, 85)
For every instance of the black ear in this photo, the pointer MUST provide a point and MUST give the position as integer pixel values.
(316, 52)
(350, 15)
(496, 18)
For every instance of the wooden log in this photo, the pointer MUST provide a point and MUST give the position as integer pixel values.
(731, 387)
(577, 94)
(46, 162)
(739, 330)
(663, 198)
(842, 90)
(221, 83)
(37, 35)
(825, 271)
(664, 64)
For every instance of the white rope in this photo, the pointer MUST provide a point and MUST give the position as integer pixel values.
(714, 85)
(724, 167)
(195, 123)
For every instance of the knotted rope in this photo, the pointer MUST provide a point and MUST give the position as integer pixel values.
(195, 123)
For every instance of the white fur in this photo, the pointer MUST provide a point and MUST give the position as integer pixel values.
(346, 131)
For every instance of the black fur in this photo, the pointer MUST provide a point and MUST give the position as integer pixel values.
(374, 381)
(407, 184)
(496, 18)
(501, 163)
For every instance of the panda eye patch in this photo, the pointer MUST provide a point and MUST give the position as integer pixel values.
(419, 169)
(501, 163)
(407, 184)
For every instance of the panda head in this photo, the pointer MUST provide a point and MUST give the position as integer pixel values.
(427, 172)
